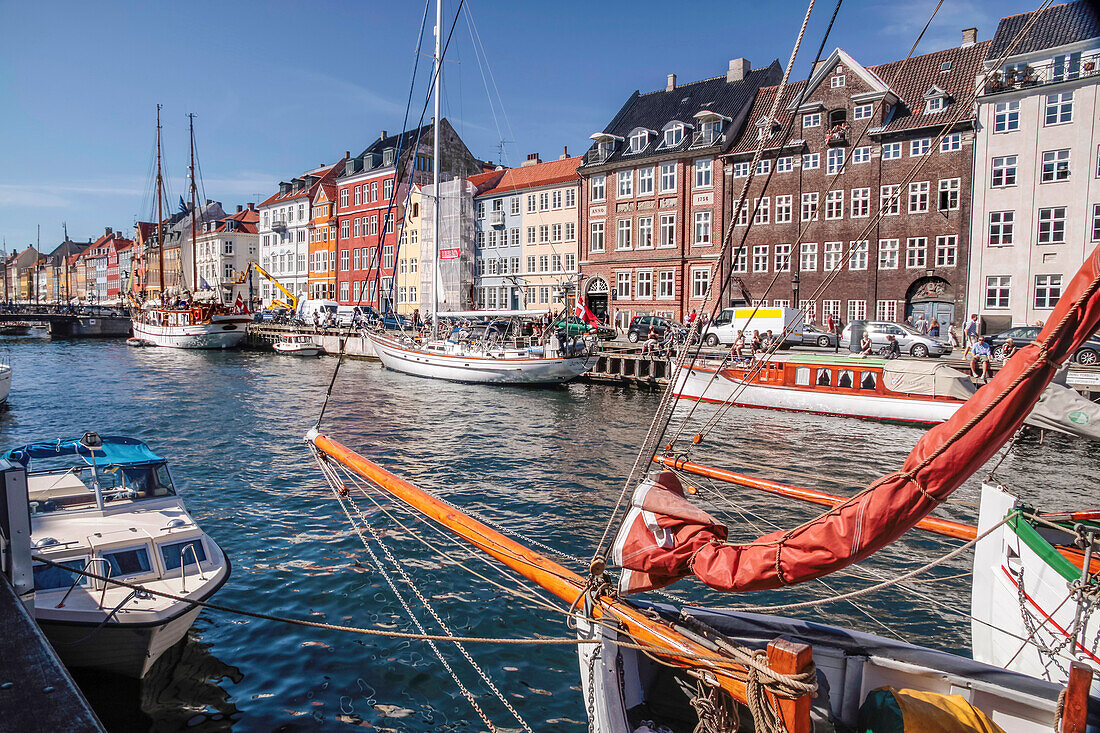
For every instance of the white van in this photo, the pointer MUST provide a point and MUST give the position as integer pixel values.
(308, 306)
(723, 329)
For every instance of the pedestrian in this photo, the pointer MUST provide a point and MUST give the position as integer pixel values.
(831, 324)
(893, 348)
(934, 329)
(953, 335)
(416, 318)
(921, 325)
(981, 358)
(972, 329)
(691, 317)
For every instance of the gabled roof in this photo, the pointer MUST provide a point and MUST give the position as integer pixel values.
(324, 173)
(1059, 25)
(841, 57)
(910, 79)
(483, 182)
(540, 174)
(246, 222)
(760, 108)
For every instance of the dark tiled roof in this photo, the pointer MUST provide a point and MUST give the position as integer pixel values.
(1058, 26)
(324, 173)
(656, 109)
(406, 139)
(748, 141)
(911, 79)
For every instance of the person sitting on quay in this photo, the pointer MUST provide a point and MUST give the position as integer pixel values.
(982, 357)
(866, 348)
(893, 348)
(768, 341)
(665, 347)
(650, 342)
(1008, 349)
(739, 345)
(757, 344)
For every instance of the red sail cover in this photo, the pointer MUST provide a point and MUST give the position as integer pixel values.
(659, 548)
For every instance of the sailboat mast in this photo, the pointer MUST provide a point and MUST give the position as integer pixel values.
(194, 248)
(160, 216)
(436, 279)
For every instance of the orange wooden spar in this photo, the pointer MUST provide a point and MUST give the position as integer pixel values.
(944, 527)
(666, 642)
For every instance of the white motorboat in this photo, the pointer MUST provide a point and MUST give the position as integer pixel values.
(108, 506)
(297, 346)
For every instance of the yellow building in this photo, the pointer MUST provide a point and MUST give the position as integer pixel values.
(407, 285)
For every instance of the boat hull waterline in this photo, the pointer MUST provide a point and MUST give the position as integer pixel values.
(224, 333)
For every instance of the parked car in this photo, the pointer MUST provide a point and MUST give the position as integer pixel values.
(640, 325)
(575, 326)
(814, 336)
(1088, 354)
(910, 340)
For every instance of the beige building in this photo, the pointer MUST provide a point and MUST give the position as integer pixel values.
(407, 274)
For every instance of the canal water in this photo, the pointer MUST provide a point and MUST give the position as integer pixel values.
(544, 465)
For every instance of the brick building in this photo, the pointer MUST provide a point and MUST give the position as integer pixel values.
(859, 134)
(652, 194)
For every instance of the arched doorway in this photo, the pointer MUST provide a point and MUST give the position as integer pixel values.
(595, 295)
(930, 297)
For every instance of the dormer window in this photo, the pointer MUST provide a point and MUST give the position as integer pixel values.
(674, 134)
(935, 99)
(711, 125)
(763, 128)
(934, 105)
(605, 146)
(604, 149)
(639, 139)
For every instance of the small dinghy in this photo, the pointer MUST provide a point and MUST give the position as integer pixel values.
(136, 342)
(297, 346)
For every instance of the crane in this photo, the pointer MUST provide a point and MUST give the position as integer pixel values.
(291, 299)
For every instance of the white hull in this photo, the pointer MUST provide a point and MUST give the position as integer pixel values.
(221, 334)
(1020, 593)
(478, 369)
(703, 385)
(297, 349)
(5, 382)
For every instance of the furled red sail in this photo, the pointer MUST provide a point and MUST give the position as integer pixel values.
(658, 548)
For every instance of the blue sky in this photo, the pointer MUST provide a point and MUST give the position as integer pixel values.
(280, 87)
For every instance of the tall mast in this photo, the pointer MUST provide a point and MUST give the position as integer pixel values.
(160, 217)
(436, 278)
(194, 248)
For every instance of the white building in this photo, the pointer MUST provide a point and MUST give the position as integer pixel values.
(1036, 203)
(223, 250)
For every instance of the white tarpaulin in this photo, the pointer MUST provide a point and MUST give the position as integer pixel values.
(910, 376)
(1063, 409)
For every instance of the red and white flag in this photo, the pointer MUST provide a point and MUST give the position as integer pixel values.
(581, 311)
(240, 306)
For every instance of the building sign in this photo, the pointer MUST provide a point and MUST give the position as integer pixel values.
(702, 199)
(597, 210)
(450, 254)
(1082, 378)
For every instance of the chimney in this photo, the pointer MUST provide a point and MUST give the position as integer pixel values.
(970, 37)
(239, 208)
(564, 152)
(532, 159)
(251, 205)
(106, 231)
(671, 83)
(383, 135)
(347, 154)
(739, 69)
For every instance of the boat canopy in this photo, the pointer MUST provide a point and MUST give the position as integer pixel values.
(926, 378)
(115, 451)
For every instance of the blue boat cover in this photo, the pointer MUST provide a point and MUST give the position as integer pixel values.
(116, 450)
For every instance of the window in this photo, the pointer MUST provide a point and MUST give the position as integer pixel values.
(887, 310)
(700, 282)
(344, 259)
(784, 164)
(808, 257)
(863, 111)
(889, 200)
(1048, 288)
(1096, 222)
(861, 203)
(782, 258)
(513, 205)
(760, 258)
(544, 201)
(862, 154)
(833, 252)
(1067, 66)
(387, 189)
(626, 184)
(544, 233)
(47, 577)
(570, 232)
(622, 234)
(555, 263)
(1001, 225)
(888, 254)
(947, 250)
(596, 241)
(834, 161)
(668, 176)
(1055, 165)
(544, 263)
(373, 191)
(890, 151)
(836, 81)
(374, 224)
(355, 258)
(740, 260)
(809, 206)
(645, 232)
(949, 194)
(1052, 225)
(674, 135)
(344, 198)
(555, 195)
(570, 199)
(597, 186)
(997, 289)
(916, 252)
(857, 311)
(741, 170)
(764, 167)
(643, 284)
(345, 228)
(555, 233)
(358, 195)
(784, 209)
(918, 197)
(622, 285)
(811, 120)
(857, 257)
(129, 561)
(530, 263)
(387, 256)
(645, 181)
(834, 204)
(1004, 171)
(934, 104)
(703, 172)
(920, 146)
(357, 228)
(1059, 108)
(743, 214)
(1006, 116)
(666, 283)
(951, 143)
(668, 231)
(762, 207)
(702, 228)
(638, 140)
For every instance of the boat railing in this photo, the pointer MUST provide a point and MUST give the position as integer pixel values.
(78, 578)
(183, 566)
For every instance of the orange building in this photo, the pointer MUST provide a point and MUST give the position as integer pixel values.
(322, 243)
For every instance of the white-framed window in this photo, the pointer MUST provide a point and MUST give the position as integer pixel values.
(702, 228)
(643, 284)
(809, 206)
(666, 284)
(834, 161)
(782, 258)
(530, 263)
(544, 201)
(532, 236)
(760, 258)
(863, 111)
(597, 190)
(857, 255)
(834, 204)
(857, 310)
(920, 146)
(645, 232)
(1002, 226)
(861, 203)
(949, 194)
(1006, 116)
(811, 161)
(889, 199)
(570, 199)
(951, 143)
(1052, 225)
(355, 258)
(888, 254)
(933, 104)
(1048, 289)
(743, 214)
(703, 167)
(1003, 171)
(784, 164)
(916, 252)
(344, 198)
(740, 260)
(387, 189)
(918, 197)
(830, 308)
(345, 256)
(1096, 222)
(837, 81)
(742, 169)
(700, 282)
(807, 260)
(1059, 108)
(1055, 166)
(645, 181)
(668, 231)
(570, 232)
(947, 250)
(555, 197)
(623, 234)
(345, 228)
(862, 154)
(764, 167)
(626, 184)
(891, 151)
(570, 262)
(762, 207)
(674, 135)
(668, 176)
(886, 310)
(532, 203)
(998, 289)
(812, 119)
(596, 236)
(622, 285)
(555, 232)
(358, 198)
(513, 205)
(833, 253)
(544, 263)
(638, 140)
(784, 209)
(544, 233)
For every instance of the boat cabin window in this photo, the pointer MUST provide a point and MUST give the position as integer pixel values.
(868, 380)
(128, 561)
(148, 481)
(172, 320)
(844, 378)
(802, 376)
(173, 553)
(185, 319)
(47, 577)
(824, 378)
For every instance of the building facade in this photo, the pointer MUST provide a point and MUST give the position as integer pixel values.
(224, 249)
(322, 243)
(652, 194)
(1037, 162)
(408, 261)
